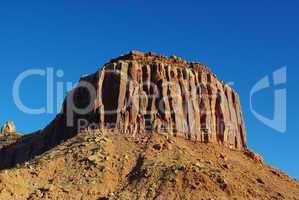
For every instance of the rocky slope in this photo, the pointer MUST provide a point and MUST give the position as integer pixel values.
(108, 165)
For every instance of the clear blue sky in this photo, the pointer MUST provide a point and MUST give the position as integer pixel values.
(241, 41)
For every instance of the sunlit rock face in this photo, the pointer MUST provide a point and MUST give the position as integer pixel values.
(146, 92)
(8, 128)
(136, 94)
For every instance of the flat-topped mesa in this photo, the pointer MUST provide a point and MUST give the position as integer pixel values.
(141, 92)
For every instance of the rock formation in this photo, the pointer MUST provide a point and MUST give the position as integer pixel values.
(141, 92)
(105, 143)
(8, 128)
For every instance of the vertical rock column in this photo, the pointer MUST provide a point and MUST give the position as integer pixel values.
(194, 96)
(205, 110)
(99, 103)
(121, 110)
(212, 93)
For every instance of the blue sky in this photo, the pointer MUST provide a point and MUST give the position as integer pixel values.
(241, 41)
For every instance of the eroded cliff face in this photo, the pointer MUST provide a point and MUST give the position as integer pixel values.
(147, 92)
(142, 93)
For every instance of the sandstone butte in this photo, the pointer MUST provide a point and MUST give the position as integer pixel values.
(177, 133)
(149, 92)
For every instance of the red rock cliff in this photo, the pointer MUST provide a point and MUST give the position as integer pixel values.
(148, 92)
(139, 93)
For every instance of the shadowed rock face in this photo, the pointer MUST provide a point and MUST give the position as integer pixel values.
(143, 92)
(139, 93)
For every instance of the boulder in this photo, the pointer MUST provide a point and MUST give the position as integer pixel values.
(254, 156)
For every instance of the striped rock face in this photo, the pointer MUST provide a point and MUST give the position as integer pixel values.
(146, 92)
